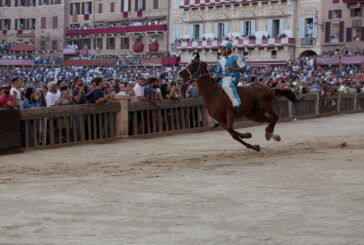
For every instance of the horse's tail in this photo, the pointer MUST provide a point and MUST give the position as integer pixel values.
(286, 93)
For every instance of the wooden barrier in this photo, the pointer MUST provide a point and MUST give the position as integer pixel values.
(170, 116)
(68, 124)
(57, 126)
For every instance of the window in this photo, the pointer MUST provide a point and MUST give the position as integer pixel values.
(140, 5)
(54, 45)
(355, 12)
(125, 5)
(98, 43)
(274, 54)
(110, 43)
(55, 22)
(357, 33)
(155, 4)
(100, 8)
(124, 43)
(335, 14)
(87, 8)
(43, 23)
(32, 24)
(275, 29)
(42, 45)
(335, 31)
(112, 7)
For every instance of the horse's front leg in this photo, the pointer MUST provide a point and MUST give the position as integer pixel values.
(229, 126)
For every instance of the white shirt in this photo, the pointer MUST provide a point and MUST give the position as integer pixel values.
(52, 99)
(138, 90)
(18, 95)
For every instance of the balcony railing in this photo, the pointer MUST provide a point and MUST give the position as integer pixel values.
(116, 30)
(24, 48)
(308, 41)
(204, 3)
(237, 43)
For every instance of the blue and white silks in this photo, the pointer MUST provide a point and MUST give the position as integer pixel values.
(230, 79)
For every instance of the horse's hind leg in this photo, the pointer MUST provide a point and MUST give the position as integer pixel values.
(272, 120)
(236, 135)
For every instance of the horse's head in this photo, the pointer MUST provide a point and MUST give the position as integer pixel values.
(194, 70)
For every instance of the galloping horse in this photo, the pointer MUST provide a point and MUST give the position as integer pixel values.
(256, 100)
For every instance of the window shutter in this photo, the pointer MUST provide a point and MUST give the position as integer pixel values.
(226, 29)
(315, 26)
(327, 32)
(281, 26)
(216, 30)
(201, 31)
(242, 28)
(112, 7)
(302, 27)
(90, 8)
(100, 8)
(122, 6)
(349, 34)
(136, 5)
(351, 12)
(16, 3)
(340, 14)
(191, 32)
(252, 27)
(270, 28)
(144, 4)
(362, 34)
(155, 4)
(71, 8)
(83, 8)
(55, 22)
(129, 5)
(1, 4)
(16, 24)
(330, 14)
(27, 24)
(341, 32)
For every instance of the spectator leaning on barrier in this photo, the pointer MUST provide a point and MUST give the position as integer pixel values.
(150, 91)
(78, 92)
(8, 100)
(52, 95)
(15, 86)
(30, 100)
(139, 89)
(66, 98)
(192, 90)
(97, 96)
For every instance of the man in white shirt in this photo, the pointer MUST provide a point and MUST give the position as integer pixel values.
(52, 95)
(139, 89)
(15, 86)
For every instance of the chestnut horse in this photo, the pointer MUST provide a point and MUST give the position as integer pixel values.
(257, 99)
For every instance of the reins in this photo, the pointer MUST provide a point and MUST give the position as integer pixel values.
(197, 74)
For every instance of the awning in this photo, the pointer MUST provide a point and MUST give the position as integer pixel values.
(328, 60)
(352, 60)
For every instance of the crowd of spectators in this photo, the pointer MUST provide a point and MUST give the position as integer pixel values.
(137, 23)
(343, 52)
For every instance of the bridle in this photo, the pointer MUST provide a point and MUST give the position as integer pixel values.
(198, 73)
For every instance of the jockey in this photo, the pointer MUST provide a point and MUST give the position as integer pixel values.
(230, 67)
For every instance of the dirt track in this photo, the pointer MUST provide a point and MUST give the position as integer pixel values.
(192, 189)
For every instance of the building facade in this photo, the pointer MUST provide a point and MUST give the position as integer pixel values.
(342, 24)
(39, 24)
(118, 27)
(263, 30)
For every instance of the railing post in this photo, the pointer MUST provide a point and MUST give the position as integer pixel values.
(121, 119)
(317, 104)
(290, 109)
(355, 102)
(338, 102)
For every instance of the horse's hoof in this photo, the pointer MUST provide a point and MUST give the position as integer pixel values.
(248, 135)
(268, 136)
(257, 148)
(277, 138)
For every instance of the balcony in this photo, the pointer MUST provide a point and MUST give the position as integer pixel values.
(16, 62)
(237, 43)
(308, 41)
(22, 48)
(117, 30)
(206, 3)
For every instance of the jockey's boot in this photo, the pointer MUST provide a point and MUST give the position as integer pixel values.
(215, 125)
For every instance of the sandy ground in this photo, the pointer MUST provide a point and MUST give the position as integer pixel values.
(200, 188)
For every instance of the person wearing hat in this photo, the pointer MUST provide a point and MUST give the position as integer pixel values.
(230, 67)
